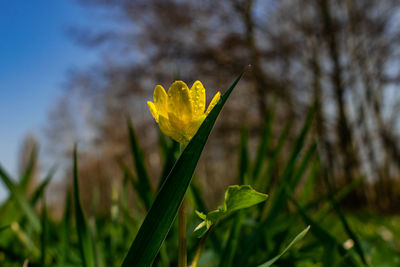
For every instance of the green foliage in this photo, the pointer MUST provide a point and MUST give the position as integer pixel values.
(142, 185)
(86, 246)
(245, 230)
(162, 213)
(236, 198)
(294, 241)
(20, 200)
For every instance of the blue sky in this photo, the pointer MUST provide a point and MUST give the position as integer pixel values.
(35, 55)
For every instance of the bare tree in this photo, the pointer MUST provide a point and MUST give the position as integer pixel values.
(339, 55)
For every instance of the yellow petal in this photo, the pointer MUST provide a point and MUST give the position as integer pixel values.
(192, 128)
(179, 127)
(179, 101)
(167, 129)
(161, 100)
(153, 110)
(214, 101)
(198, 96)
(176, 122)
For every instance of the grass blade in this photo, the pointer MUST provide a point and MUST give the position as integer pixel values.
(294, 241)
(27, 175)
(264, 145)
(232, 242)
(169, 154)
(280, 199)
(21, 201)
(40, 189)
(142, 194)
(343, 220)
(162, 213)
(85, 241)
(324, 236)
(43, 236)
(264, 182)
(143, 180)
(2, 228)
(243, 157)
(66, 225)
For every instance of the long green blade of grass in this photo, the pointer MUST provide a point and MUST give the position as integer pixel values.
(43, 236)
(280, 197)
(142, 195)
(37, 194)
(21, 201)
(162, 213)
(27, 174)
(264, 145)
(233, 239)
(294, 241)
(243, 157)
(2, 228)
(169, 153)
(343, 219)
(264, 181)
(232, 242)
(324, 236)
(66, 231)
(85, 241)
(280, 200)
(143, 180)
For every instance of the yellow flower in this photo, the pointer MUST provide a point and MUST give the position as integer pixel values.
(181, 112)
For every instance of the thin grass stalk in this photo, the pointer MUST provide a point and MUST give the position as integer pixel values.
(200, 247)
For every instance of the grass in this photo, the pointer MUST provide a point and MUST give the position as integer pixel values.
(259, 234)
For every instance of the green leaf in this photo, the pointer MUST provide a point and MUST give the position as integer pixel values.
(162, 213)
(66, 231)
(264, 144)
(243, 157)
(294, 241)
(343, 219)
(280, 197)
(328, 240)
(143, 180)
(241, 197)
(43, 236)
(232, 242)
(85, 241)
(195, 193)
(261, 182)
(20, 200)
(142, 195)
(279, 201)
(25, 239)
(170, 150)
(27, 174)
(236, 198)
(2, 228)
(40, 189)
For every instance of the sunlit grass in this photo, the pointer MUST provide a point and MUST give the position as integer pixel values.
(249, 229)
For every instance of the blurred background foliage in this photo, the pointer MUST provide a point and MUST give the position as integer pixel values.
(342, 55)
(336, 61)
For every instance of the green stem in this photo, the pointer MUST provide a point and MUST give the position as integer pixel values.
(200, 248)
(182, 253)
